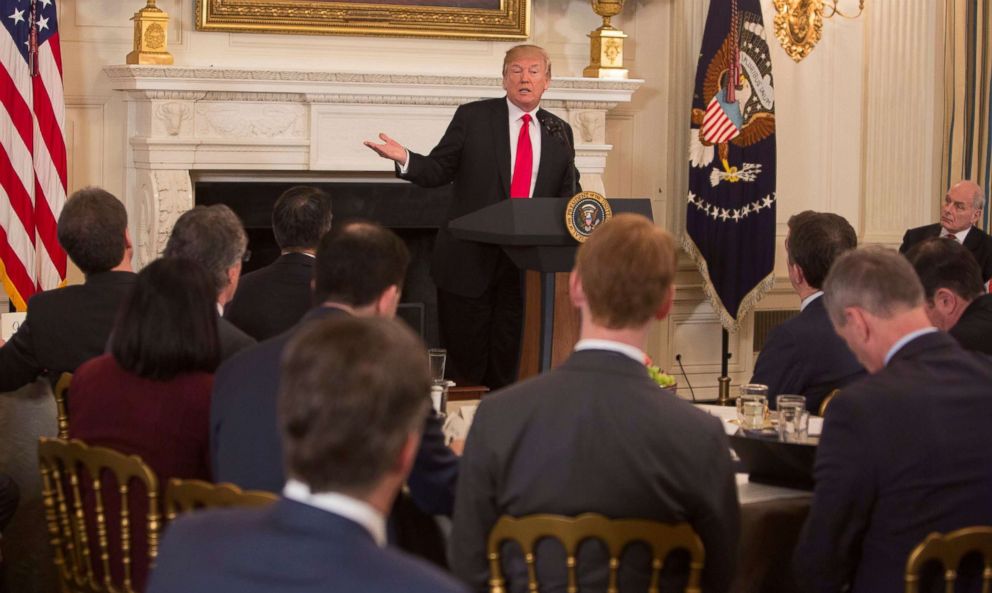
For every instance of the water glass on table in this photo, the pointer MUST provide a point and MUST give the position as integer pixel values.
(752, 406)
(437, 357)
(793, 419)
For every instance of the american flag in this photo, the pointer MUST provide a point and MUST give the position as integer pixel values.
(32, 155)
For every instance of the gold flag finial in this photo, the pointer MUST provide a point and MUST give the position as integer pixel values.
(151, 43)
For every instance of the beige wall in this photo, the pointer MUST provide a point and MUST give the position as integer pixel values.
(856, 119)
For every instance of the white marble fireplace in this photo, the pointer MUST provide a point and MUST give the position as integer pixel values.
(185, 122)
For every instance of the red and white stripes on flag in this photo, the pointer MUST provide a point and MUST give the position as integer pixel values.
(717, 127)
(32, 149)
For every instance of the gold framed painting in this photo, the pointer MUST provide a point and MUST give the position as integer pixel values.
(465, 19)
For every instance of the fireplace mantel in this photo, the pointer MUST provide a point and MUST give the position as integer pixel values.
(186, 119)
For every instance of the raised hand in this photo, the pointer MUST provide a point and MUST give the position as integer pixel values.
(390, 149)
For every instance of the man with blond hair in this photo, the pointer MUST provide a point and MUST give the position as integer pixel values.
(905, 451)
(493, 150)
(597, 434)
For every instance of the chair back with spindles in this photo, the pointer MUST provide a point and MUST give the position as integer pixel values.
(948, 549)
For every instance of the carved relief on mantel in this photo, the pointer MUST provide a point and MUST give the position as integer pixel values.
(161, 196)
(250, 120)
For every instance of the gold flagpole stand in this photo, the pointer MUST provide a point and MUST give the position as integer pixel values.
(151, 43)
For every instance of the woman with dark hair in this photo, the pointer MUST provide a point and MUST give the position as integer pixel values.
(150, 395)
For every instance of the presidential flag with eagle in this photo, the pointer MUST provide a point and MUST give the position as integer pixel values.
(730, 218)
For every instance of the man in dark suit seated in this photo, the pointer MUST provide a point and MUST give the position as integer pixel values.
(956, 301)
(493, 150)
(272, 299)
(597, 434)
(962, 209)
(67, 326)
(905, 451)
(351, 406)
(214, 237)
(359, 272)
(803, 355)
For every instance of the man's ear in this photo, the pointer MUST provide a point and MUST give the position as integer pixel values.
(575, 292)
(945, 300)
(385, 305)
(666, 305)
(128, 244)
(856, 320)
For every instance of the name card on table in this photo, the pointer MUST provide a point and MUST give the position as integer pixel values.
(9, 323)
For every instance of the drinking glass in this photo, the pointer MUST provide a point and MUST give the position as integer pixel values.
(437, 356)
(752, 406)
(793, 421)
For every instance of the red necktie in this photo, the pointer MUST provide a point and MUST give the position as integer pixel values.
(522, 168)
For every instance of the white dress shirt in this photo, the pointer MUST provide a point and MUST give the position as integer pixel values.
(960, 235)
(809, 299)
(625, 349)
(516, 122)
(334, 502)
(905, 340)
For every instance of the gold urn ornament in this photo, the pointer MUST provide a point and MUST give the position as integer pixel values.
(151, 43)
(606, 46)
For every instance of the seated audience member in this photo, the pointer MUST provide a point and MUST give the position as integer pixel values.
(803, 355)
(905, 451)
(66, 327)
(962, 209)
(272, 299)
(214, 237)
(955, 298)
(597, 434)
(150, 396)
(358, 272)
(351, 406)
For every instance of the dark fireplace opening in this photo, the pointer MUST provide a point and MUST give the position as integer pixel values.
(412, 212)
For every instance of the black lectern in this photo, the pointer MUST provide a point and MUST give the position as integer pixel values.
(533, 234)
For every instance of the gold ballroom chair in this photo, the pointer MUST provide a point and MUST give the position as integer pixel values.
(949, 549)
(186, 495)
(81, 566)
(826, 402)
(62, 409)
(662, 538)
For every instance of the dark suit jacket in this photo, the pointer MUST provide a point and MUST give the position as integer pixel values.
(272, 299)
(594, 435)
(805, 356)
(64, 328)
(904, 452)
(288, 546)
(474, 154)
(232, 339)
(244, 435)
(974, 329)
(977, 241)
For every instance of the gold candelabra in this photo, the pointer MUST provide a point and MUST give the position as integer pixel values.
(151, 40)
(606, 46)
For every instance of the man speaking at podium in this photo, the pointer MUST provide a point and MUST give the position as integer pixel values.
(493, 150)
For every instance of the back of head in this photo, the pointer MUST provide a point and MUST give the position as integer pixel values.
(357, 262)
(875, 279)
(211, 236)
(92, 229)
(168, 323)
(352, 390)
(816, 239)
(945, 263)
(300, 217)
(627, 268)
